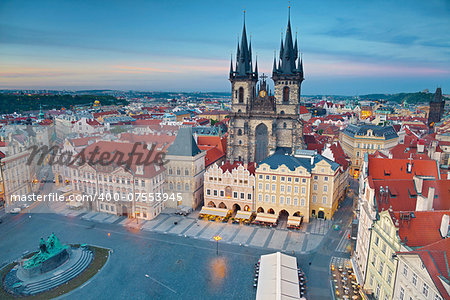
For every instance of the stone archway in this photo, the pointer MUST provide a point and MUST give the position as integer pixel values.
(261, 142)
(211, 204)
(271, 211)
(260, 210)
(321, 214)
(236, 207)
(222, 205)
(247, 208)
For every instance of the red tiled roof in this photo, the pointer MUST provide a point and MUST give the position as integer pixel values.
(339, 155)
(403, 195)
(384, 168)
(146, 122)
(303, 110)
(421, 230)
(405, 151)
(227, 166)
(436, 258)
(213, 154)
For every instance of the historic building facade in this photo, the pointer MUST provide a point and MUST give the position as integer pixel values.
(230, 186)
(260, 121)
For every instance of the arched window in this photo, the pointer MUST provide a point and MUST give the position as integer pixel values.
(286, 94)
(240, 132)
(282, 112)
(241, 95)
(186, 171)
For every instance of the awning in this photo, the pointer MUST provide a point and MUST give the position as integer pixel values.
(294, 221)
(268, 218)
(278, 277)
(214, 211)
(244, 215)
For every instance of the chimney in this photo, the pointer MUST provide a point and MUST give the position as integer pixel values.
(444, 226)
(408, 167)
(420, 147)
(418, 182)
(430, 198)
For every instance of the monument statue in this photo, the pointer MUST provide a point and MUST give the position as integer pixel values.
(47, 249)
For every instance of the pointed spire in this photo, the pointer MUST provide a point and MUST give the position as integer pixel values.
(231, 66)
(295, 46)
(281, 46)
(243, 57)
(288, 52)
(256, 66)
(274, 69)
(300, 67)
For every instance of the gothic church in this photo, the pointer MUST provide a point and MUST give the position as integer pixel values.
(262, 122)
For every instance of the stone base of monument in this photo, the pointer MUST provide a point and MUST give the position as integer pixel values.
(21, 281)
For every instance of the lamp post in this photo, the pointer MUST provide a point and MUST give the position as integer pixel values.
(217, 238)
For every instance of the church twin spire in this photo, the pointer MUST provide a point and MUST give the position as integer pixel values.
(288, 55)
(244, 61)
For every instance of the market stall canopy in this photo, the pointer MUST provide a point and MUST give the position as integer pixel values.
(278, 278)
(294, 221)
(214, 211)
(241, 214)
(268, 218)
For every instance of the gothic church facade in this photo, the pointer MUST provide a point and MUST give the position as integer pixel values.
(262, 122)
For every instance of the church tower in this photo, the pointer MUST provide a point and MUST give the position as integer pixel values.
(261, 123)
(243, 78)
(288, 76)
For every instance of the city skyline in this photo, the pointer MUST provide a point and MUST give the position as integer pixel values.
(348, 49)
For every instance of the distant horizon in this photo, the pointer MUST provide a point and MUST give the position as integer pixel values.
(430, 91)
(351, 48)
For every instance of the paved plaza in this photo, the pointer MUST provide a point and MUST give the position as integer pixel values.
(300, 241)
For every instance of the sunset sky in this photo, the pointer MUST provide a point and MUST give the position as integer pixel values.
(349, 47)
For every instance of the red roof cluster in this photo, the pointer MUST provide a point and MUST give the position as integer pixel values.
(227, 166)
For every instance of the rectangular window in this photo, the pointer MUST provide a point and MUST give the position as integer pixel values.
(267, 198)
(260, 186)
(414, 279)
(303, 190)
(402, 293)
(316, 177)
(215, 192)
(325, 178)
(242, 196)
(267, 177)
(304, 180)
(314, 198)
(324, 200)
(208, 192)
(222, 193)
(235, 195)
(405, 270)
(380, 269)
(282, 188)
(249, 196)
(282, 178)
(260, 176)
(281, 200)
(296, 189)
(289, 189)
(315, 187)
(274, 187)
(296, 180)
(302, 202)
(288, 200)
(325, 188)
(260, 197)
(425, 290)
(267, 187)
(389, 277)
(289, 179)
(274, 178)
(273, 199)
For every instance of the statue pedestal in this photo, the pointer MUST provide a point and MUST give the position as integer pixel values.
(50, 264)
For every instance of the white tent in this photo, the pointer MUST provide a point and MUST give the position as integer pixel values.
(278, 278)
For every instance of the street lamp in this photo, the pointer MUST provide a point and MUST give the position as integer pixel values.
(217, 238)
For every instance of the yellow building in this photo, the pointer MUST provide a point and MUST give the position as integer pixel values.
(356, 140)
(305, 184)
